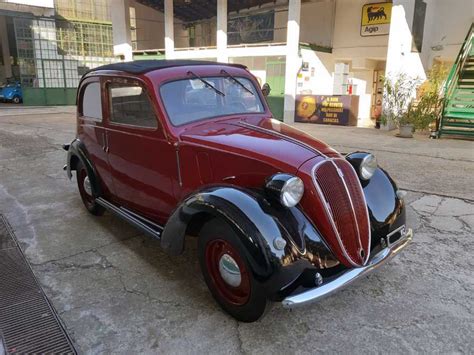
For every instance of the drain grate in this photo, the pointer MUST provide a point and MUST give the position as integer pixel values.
(28, 323)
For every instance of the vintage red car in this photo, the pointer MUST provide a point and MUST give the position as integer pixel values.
(182, 148)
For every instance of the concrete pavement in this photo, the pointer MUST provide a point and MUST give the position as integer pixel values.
(117, 292)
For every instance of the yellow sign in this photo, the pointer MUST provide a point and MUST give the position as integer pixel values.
(376, 19)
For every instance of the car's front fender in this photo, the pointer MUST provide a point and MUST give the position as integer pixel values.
(385, 205)
(260, 225)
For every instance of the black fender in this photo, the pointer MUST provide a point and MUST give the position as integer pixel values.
(386, 207)
(77, 151)
(258, 223)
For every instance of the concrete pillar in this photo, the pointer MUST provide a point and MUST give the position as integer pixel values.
(5, 47)
(400, 57)
(221, 40)
(293, 62)
(169, 29)
(120, 13)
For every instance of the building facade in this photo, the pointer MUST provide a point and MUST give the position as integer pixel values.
(48, 45)
(323, 56)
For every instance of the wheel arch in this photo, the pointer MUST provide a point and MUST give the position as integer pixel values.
(77, 152)
(243, 210)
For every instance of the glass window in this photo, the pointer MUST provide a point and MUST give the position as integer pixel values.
(92, 102)
(192, 100)
(130, 105)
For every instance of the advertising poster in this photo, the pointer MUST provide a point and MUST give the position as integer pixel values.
(339, 110)
(376, 19)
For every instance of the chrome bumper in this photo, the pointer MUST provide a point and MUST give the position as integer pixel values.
(349, 276)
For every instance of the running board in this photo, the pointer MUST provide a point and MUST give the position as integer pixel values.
(143, 224)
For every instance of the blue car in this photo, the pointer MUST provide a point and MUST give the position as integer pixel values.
(11, 93)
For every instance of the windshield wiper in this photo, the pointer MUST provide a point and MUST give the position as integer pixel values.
(235, 80)
(206, 83)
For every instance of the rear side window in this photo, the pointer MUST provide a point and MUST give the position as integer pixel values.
(92, 102)
(130, 105)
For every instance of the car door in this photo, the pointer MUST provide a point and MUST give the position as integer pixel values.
(142, 160)
(91, 130)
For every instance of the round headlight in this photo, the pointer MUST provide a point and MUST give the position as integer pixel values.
(368, 166)
(292, 192)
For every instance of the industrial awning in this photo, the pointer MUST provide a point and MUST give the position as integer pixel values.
(195, 10)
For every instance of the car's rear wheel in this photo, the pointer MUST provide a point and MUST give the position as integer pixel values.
(85, 190)
(227, 272)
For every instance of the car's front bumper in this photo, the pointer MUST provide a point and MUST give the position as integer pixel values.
(349, 276)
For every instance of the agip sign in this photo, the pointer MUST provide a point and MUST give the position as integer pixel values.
(376, 19)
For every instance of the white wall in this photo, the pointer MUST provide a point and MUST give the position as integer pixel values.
(348, 43)
(150, 27)
(317, 23)
(447, 27)
(400, 57)
(322, 81)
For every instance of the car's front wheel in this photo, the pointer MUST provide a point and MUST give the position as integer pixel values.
(16, 100)
(85, 190)
(227, 272)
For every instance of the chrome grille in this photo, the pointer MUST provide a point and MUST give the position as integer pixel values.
(338, 186)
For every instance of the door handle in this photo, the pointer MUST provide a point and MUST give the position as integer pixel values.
(105, 143)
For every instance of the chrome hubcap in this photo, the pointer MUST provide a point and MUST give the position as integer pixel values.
(87, 186)
(229, 270)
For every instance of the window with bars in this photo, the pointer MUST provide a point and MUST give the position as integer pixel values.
(90, 10)
(56, 53)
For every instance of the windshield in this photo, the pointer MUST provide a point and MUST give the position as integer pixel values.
(195, 99)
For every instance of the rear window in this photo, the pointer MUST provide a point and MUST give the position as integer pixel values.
(91, 101)
(191, 100)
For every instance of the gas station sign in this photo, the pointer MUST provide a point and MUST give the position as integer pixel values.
(376, 19)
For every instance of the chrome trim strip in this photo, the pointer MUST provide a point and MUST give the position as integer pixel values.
(366, 211)
(130, 218)
(328, 211)
(143, 219)
(178, 164)
(281, 135)
(349, 276)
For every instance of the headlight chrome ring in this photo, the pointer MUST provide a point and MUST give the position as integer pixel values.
(367, 167)
(292, 192)
(287, 189)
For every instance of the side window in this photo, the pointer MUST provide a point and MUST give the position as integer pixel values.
(92, 102)
(129, 104)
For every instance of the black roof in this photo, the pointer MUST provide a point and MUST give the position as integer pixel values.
(145, 66)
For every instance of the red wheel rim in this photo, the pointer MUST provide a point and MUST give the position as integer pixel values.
(85, 196)
(236, 295)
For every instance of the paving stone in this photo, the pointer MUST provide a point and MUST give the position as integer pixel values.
(455, 207)
(118, 292)
(446, 224)
(427, 204)
(469, 221)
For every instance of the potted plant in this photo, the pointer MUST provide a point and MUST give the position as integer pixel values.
(398, 105)
(410, 112)
(430, 98)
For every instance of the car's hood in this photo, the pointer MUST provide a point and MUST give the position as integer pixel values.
(265, 139)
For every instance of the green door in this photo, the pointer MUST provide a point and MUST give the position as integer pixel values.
(276, 80)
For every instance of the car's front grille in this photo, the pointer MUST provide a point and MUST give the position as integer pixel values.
(338, 186)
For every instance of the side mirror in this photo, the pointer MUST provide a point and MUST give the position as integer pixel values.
(266, 89)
